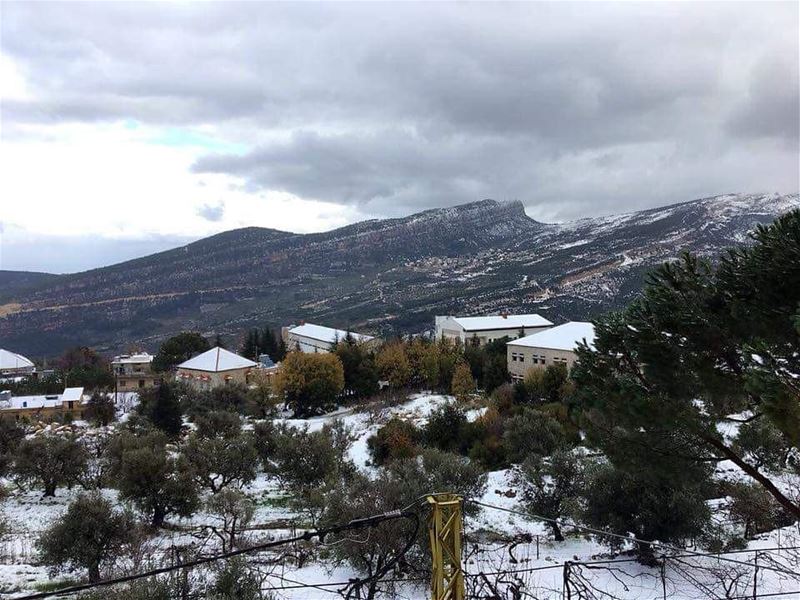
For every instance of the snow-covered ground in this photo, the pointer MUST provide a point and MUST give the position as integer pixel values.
(538, 560)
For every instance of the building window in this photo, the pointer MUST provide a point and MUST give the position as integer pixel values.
(141, 383)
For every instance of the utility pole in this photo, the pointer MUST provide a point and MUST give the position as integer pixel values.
(445, 529)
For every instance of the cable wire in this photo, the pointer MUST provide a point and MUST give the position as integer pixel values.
(370, 521)
(566, 523)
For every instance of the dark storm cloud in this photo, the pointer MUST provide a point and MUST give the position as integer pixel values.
(575, 109)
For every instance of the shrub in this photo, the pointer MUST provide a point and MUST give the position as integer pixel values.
(90, 534)
(397, 439)
(448, 429)
(236, 581)
(532, 432)
(650, 506)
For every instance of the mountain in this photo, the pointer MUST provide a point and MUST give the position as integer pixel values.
(377, 276)
(11, 282)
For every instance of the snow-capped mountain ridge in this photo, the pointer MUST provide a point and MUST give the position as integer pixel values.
(377, 276)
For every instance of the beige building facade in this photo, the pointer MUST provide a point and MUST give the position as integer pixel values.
(215, 368)
(134, 372)
(552, 347)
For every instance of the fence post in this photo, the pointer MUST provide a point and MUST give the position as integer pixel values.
(755, 578)
(445, 529)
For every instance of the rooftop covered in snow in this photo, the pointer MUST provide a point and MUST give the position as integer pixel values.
(561, 337)
(74, 394)
(492, 322)
(11, 361)
(138, 358)
(215, 360)
(327, 334)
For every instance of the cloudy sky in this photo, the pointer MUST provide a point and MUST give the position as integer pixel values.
(132, 127)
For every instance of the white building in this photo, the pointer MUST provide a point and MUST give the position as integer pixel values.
(71, 400)
(489, 328)
(550, 347)
(316, 338)
(15, 365)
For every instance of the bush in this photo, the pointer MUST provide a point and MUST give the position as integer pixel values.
(397, 439)
(532, 432)
(651, 507)
(51, 461)
(91, 534)
(236, 581)
(448, 429)
(308, 463)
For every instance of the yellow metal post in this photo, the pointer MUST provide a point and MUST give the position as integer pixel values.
(445, 533)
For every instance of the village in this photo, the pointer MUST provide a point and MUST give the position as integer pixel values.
(522, 334)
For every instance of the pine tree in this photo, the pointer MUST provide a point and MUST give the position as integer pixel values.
(701, 344)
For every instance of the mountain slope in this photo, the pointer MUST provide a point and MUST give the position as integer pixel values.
(378, 275)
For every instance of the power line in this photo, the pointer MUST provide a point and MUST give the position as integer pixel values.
(370, 521)
(566, 523)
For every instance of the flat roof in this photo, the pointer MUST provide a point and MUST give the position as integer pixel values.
(45, 400)
(561, 337)
(141, 357)
(490, 322)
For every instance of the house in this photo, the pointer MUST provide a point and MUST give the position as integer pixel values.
(13, 365)
(552, 346)
(214, 368)
(134, 372)
(70, 401)
(316, 338)
(489, 328)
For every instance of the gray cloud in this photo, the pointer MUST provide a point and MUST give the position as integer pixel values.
(575, 109)
(212, 213)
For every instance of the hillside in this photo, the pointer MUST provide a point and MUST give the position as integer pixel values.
(377, 276)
